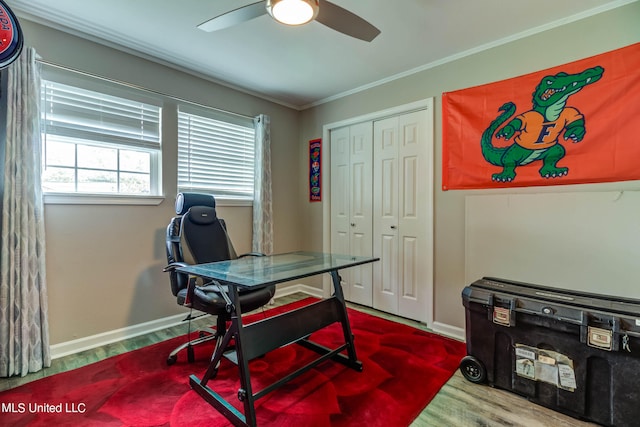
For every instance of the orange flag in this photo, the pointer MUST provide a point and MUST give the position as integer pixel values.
(575, 123)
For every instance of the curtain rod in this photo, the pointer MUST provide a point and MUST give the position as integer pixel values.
(130, 85)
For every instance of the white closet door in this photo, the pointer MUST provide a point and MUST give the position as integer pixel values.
(415, 213)
(340, 198)
(361, 221)
(403, 230)
(385, 214)
(351, 200)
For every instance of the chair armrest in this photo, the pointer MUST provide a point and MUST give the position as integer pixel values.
(172, 267)
(251, 254)
(178, 283)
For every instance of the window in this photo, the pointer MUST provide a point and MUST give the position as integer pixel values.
(216, 153)
(98, 138)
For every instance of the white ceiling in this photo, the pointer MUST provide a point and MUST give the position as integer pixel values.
(304, 66)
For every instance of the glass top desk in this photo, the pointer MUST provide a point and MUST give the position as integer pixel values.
(256, 339)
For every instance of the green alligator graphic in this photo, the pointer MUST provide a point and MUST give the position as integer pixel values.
(537, 131)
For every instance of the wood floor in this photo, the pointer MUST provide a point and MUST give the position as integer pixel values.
(458, 404)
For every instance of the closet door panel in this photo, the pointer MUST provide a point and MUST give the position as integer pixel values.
(361, 222)
(385, 214)
(415, 232)
(340, 198)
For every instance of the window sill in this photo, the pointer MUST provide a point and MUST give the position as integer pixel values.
(100, 199)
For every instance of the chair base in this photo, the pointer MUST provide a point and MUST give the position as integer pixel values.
(205, 335)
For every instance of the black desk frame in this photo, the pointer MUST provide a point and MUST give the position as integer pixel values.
(256, 339)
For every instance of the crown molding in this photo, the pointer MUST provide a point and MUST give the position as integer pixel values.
(104, 37)
(469, 52)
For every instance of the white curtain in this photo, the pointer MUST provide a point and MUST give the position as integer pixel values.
(24, 331)
(262, 214)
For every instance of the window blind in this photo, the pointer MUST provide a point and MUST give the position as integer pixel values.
(95, 117)
(216, 154)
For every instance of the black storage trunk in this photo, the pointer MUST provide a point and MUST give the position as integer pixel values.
(574, 352)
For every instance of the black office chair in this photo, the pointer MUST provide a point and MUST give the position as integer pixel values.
(198, 236)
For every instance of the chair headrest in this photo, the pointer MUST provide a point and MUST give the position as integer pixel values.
(186, 200)
(202, 215)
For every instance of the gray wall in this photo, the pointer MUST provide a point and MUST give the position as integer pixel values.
(104, 262)
(573, 41)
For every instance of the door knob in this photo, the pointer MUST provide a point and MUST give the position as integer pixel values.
(353, 224)
(393, 227)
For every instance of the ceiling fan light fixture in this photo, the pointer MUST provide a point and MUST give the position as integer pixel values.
(293, 12)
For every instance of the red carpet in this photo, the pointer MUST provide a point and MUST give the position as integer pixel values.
(403, 369)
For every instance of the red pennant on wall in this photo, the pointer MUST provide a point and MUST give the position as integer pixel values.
(575, 123)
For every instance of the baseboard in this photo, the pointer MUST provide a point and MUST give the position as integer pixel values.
(98, 340)
(86, 343)
(292, 289)
(437, 327)
(448, 330)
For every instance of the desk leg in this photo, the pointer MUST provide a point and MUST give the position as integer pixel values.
(245, 393)
(330, 311)
(346, 326)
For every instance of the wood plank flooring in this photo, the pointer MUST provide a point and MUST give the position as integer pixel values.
(458, 404)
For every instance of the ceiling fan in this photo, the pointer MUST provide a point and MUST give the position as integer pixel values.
(297, 12)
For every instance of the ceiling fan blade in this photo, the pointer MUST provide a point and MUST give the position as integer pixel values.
(334, 16)
(236, 16)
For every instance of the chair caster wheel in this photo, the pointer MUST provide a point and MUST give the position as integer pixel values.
(473, 370)
(172, 360)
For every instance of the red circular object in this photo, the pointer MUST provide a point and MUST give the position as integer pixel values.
(11, 39)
